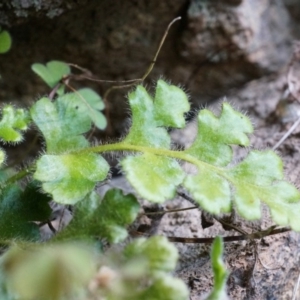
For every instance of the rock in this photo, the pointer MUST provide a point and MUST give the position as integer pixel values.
(18, 11)
(229, 45)
(217, 46)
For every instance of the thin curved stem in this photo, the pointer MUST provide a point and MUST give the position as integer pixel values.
(21, 174)
(150, 68)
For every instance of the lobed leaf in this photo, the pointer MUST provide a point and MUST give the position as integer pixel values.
(170, 104)
(61, 123)
(258, 178)
(154, 177)
(267, 165)
(155, 174)
(87, 103)
(217, 134)
(210, 190)
(13, 122)
(70, 177)
(19, 210)
(143, 131)
(93, 99)
(148, 116)
(53, 72)
(104, 219)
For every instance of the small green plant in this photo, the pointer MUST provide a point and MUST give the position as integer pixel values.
(76, 271)
(219, 270)
(69, 169)
(88, 102)
(5, 41)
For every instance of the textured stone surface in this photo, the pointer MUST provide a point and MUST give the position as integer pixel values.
(19, 11)
(254, 31)
(217, 46)
(229, 44)
(115, 41)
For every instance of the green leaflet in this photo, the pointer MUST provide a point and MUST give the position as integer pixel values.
(253, 187)
(19, 209)
(63, 121)
(219, 269)
(5, 41)
(216, 134)
(256, 179)
(92, 104)
(148, 116)
(70, 177)
(267, 164)
(155, 178)
(13, 121)
(61, 124)
(170, 104)
(259, 178)
(102, 219)
(53, 72)
(144, 131)
(86, 101)
(211, 191)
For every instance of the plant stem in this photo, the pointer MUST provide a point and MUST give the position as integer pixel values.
(122, 146)
(21, 174)
(155, 151)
